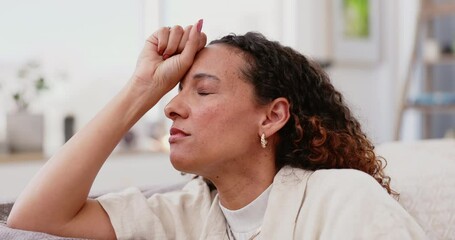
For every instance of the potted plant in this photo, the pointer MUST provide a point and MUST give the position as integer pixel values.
(25, 129)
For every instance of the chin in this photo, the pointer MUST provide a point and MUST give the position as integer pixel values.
(182, 164)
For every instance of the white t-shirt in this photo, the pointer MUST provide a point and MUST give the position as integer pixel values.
(247, 221)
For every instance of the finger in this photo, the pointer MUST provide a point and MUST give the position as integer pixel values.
(184, 39)
(202, 41)
(175, 35)
(152, 40)
(192, 45)
(163, 36)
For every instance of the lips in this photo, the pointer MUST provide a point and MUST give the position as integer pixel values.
(177, 134)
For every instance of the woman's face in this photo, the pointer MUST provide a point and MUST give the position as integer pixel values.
(216, 120)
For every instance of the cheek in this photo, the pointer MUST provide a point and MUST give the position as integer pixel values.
(213, 119)
(225, 123)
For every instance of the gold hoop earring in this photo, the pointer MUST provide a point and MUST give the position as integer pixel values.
(263, 141)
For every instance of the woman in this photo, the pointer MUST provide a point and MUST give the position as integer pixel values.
(257, 120)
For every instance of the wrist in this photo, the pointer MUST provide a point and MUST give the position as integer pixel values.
(144, 94)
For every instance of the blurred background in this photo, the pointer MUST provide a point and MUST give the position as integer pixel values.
(61, 61)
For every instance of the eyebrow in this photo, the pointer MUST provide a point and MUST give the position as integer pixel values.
(201, 76)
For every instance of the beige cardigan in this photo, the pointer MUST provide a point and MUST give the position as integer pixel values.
(325, 204)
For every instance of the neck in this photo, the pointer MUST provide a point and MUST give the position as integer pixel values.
(239, 187)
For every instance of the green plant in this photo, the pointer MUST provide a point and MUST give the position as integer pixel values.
(29, 86)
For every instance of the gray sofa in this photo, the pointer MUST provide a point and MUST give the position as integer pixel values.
(422, 172)
(9, 233)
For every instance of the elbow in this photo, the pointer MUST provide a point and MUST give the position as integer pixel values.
(18, 221)
(14, 222)
(16, 218)
(27, 221)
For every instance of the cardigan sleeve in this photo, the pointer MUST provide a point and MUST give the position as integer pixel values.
(350, 204)
(173, 215)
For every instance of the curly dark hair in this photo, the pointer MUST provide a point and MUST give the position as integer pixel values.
(322, 132)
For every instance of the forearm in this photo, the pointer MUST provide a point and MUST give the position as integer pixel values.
(61, 187)
(56, 199)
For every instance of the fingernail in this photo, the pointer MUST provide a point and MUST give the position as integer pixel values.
(165, 56)
(199, 25)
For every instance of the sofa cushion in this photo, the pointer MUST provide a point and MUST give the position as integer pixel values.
(423, 173)
(9, 233)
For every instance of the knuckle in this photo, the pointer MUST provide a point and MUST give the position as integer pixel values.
(163, 29)
(178, 29)
(152, 39)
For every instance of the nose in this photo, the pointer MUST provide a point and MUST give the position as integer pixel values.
(176, 108)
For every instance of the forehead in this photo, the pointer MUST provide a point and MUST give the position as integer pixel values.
(218, 60)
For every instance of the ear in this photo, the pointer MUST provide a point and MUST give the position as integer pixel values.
(276, 117)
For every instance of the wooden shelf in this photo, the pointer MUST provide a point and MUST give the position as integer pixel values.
(437, 10)
(38, 156)
(432, 108)
(27, 156)
(427, 102)
(444, 59)
(434, 98)
(433, 102)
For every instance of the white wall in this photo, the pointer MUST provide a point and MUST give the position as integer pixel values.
(407, 27)
(373, 91)
(93, 43)
(370, 89)
(224, 17)
(119, 172)
(97, 42)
